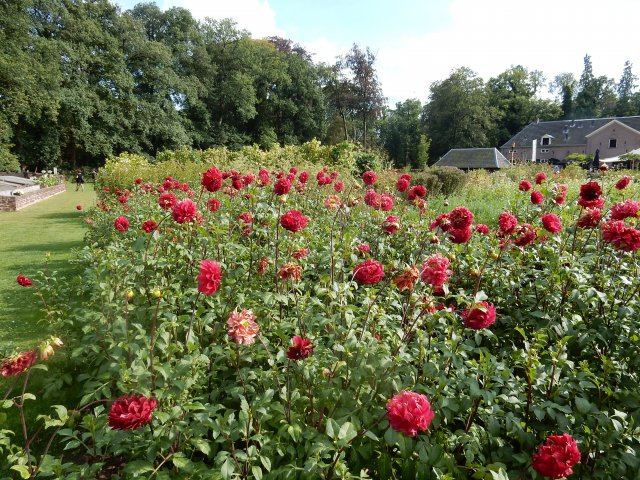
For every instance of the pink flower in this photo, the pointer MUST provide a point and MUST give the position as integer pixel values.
(409, 412)
(369, 177)
(131, 412)
(556, 457)
(435, 270)
(209, 277)
(303, 178)
(121, 224)
(386, 202)
(242, 327)
(481, 315)
(338, 186)
(184, 211)
(363, 248)
(302, 348)
(551, 223)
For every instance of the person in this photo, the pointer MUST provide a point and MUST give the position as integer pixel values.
(79, 181)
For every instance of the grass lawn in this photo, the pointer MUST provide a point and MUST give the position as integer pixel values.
(53, 225)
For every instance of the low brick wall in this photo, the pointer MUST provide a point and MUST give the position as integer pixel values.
(18, 202)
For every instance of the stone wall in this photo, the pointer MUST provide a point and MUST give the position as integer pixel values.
(17, 202)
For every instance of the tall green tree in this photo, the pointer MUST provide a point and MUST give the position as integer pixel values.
(401, 132)
(459, 114)
(596, 95)
(626, 90)
(565, 86)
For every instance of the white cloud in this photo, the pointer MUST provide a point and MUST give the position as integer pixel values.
(256, 16)
(488, 37)
(324, 50)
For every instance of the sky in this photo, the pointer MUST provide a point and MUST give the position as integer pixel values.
(418, 42)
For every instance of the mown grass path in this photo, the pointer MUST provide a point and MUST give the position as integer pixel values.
(54, 226)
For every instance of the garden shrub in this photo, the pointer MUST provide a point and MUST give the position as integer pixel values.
(291, 331)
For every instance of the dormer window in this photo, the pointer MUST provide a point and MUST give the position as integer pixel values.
(546, 140)
(613, 143)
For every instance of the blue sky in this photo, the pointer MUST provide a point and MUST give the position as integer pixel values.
(417, 42)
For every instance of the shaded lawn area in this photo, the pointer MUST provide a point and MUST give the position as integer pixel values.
(53, 225)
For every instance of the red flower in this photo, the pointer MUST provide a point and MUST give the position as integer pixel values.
(435, 270)
(540, 177)
(402, 184)
(246, 217)
(409, 412)
(626, 209)
(131, 412)
(150, 226)
(263, 176)
(363, 248)
(78, 207)
(536, 197)
(369, 177)
(209, 277)
(590, 218)
(138, 180)
(482, 228)
(298, 254)
(442, 222)
(167, 201)
(526, 234)
(556, 457)
(406, 279)
(302, 348)
(303, 178)
(213, 204)
(18, 363)
(372, 199)
(290, 271)
(262, 266)
(212, 180)
(507, 224)
(242, 327)
(184, 211)
(524, 186)
(391, 225)
(622, 237)
(386, 202)
(481, 315)
(417, 191)
(294, 221)
(459, 235)
(590, 195)
(551, 223)
(461, 217)
(560, 192)
(623, 182)
(368, 272)
(24, 281)
(123, 199)
(338, 186)
(282, 186)
(121, 224)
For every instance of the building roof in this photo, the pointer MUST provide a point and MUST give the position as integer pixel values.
(473, 158)
(566, 132)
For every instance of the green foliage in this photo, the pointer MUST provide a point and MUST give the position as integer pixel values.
(8, 161)
(578, 158)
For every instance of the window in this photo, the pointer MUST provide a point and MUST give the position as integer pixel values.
(546, 140)
(544, 150)
(613, 143)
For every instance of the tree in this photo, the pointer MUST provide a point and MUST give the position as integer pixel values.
(625, 89)
(368, 94)
(401, 132)
(596, 95)
(459, 114)
(564, 86)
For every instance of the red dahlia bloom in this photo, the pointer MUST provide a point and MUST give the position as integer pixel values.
(138, 180)
(209, 277)
(363, 248)
(246, 217)
(406, 279)
(213, 204)
(540, 177)
(481, 315)
(556, 457)
(372, 199)
(526, 234)
(23, 281)
(386, 202)
(626, 209)
(409, 412)
(298, 254)
(368, 272)
(402, 184)
(459, 235)
(184, 211)
(282, 186)
(623, 182)
(537, 197)
(19, 363)
(338, 186)
(263, 176)
(212, 180)
(507, 224)
(302, 348)
(622, 237)
(294, 221)
(417, 191)
(435, 270)
(524, 186)
(590, 195)
(482, 228)
(303, 178)
(442, 222)
(121, 224)
(262, 266)
(150, 226)
(560, 192)
(590, 218)
(131, 412)
(167, 201)
(551, 223)
(242, 327)
(391, 224)
(290, 271)
(78, 207)
(461, 217)
(369, 177)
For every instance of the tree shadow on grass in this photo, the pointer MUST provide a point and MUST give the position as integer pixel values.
(62, 215)
(47, 247)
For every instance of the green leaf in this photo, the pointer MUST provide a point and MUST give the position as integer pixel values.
(266, 463)
(583, 405)
(202, 445)
(22, 470)
(138, 467)
(257, 472)
(227, 468)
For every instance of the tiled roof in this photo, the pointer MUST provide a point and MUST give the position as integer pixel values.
(566, 132)
(473, 158)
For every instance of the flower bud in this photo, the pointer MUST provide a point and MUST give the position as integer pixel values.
(156, 293)
(129, 294)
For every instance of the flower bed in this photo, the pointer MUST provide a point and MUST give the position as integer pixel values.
(286, 325)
